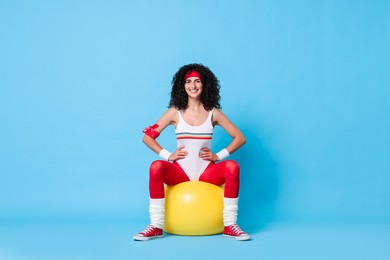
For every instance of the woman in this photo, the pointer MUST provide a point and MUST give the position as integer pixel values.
(194, 111)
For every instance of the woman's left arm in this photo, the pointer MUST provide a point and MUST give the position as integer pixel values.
(221, 119)
(239, 140)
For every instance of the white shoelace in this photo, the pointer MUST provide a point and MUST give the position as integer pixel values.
(237, 229)
(148, 229)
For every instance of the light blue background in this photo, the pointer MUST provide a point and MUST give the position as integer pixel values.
(306, 81)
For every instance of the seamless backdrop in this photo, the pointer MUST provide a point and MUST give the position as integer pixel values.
(306, 81)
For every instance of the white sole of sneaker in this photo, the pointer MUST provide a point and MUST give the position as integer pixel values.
(141, 238)
(240, 238)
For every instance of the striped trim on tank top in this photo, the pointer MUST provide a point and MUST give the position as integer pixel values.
(200, 136)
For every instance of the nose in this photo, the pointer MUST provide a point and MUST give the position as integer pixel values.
(192, 84)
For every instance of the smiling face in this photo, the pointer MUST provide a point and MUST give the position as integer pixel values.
(193, 87)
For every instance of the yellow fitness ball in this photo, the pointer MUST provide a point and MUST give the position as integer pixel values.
(193, 208)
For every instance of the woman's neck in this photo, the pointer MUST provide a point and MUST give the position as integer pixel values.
(194, 105)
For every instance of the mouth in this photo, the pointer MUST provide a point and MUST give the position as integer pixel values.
(194, 90)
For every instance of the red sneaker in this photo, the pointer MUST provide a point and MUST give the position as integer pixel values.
(149, 233)
(234, 231)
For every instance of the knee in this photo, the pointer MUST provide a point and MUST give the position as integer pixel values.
(156, 168)
(232, 165)
(232, 168)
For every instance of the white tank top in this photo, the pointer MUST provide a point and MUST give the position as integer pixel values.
(194, 138)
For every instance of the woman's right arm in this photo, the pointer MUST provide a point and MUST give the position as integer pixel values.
(169, 117)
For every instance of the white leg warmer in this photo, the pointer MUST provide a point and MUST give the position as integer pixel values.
(156, 211)
(230, 211)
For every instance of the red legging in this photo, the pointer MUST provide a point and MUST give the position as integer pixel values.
(225, 172)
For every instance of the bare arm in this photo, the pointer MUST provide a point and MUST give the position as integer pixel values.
(166, 119)
(169, 117)
(239, 140)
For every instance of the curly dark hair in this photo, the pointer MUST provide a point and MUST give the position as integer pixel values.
(210, 94)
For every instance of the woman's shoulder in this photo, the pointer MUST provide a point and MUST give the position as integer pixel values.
(172, 114)
(217, 112)
(172, 111)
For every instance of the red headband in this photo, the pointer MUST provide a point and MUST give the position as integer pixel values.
(192, 73)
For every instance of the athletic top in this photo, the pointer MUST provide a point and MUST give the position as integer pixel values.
(194, 138)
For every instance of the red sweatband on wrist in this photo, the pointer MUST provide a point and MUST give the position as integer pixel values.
(150, 131)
